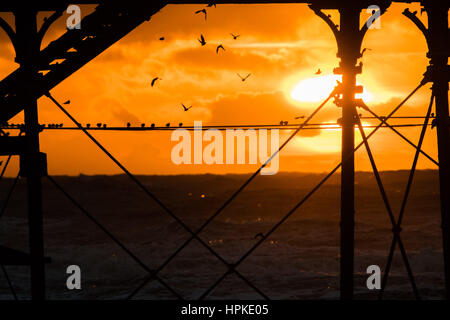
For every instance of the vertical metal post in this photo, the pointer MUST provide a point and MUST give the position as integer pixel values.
(438, 53)
(32, 166)
(349, 52)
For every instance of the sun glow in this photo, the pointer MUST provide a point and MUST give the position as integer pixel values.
(318, 88)
(327, 141)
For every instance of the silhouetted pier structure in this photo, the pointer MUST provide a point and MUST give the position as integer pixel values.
(40, 70)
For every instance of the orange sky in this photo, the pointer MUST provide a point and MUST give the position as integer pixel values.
(281, 45)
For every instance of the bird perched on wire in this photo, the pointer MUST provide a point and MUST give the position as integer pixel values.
(318, 72)
(202, 11)
(180, 124)
(235, 36)
(67, 102)
(186, 108)
(220, 47)
(168, 124)
(99, 125)
(142, 125)
(88, 125)
(152, 126)
(244, 78)
(154, 81)
(202, 40)
(128, 125)
(259, 235)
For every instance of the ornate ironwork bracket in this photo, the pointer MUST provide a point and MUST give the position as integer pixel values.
(338, 33)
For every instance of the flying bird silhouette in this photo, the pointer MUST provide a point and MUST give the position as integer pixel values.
(202, 40)
(162, 39)
(220, 47)
(202, 11)
(244, 78)
(318, 72)
(364, 50)
(154, 80)
(67, 102)
(235, 36)
(300, 117)
(211, 4)
(186, 108)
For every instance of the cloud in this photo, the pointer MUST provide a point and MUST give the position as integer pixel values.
(124, 116)
(179, 21)
(279, 44)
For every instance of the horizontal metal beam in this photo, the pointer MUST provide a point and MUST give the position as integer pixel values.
(50, 5)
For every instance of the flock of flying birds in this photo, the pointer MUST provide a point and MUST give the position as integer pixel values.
(203, 42)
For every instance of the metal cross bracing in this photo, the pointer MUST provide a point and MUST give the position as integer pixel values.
(62, 57)
(111, 21)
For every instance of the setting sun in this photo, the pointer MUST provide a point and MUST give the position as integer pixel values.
(318, 88)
